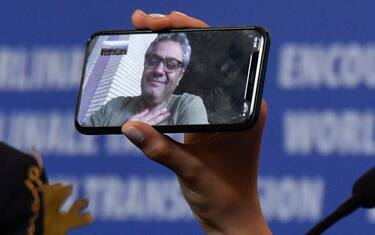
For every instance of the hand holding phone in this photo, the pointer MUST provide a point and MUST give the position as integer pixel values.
(218, 171)
(207, 79)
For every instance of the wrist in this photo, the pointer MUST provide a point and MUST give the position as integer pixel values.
(260, 228)
(252, 223)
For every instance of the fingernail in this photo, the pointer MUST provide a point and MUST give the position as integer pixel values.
(133, 135)
(140, 11)
(156, 15)
(91, 217)
(179, 13)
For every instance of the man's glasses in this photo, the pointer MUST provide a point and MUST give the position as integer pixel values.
(170, 64)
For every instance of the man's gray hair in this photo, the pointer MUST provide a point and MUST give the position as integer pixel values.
(181, 38)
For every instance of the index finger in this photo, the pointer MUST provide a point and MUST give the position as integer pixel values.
(175, 19)
(181, 20)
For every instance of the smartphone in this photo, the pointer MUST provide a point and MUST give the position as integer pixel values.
(184, 80)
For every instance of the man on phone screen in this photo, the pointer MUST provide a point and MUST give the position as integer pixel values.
(166, 60)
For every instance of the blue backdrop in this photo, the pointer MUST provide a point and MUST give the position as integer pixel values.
(320, 133)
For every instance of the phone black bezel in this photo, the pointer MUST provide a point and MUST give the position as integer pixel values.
(263, 32)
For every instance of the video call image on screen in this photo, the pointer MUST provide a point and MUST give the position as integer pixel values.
(189, 78)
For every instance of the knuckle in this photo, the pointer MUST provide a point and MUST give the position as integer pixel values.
(158, 151)
(159, 119)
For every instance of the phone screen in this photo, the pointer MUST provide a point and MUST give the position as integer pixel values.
(171, 79)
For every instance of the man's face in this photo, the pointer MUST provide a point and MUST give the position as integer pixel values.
(162, 72)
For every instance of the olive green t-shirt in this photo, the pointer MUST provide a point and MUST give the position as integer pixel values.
(185, 109)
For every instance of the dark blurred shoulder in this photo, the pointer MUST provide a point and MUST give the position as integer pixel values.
(17, 171)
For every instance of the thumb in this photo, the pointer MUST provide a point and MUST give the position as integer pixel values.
(157, 146)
